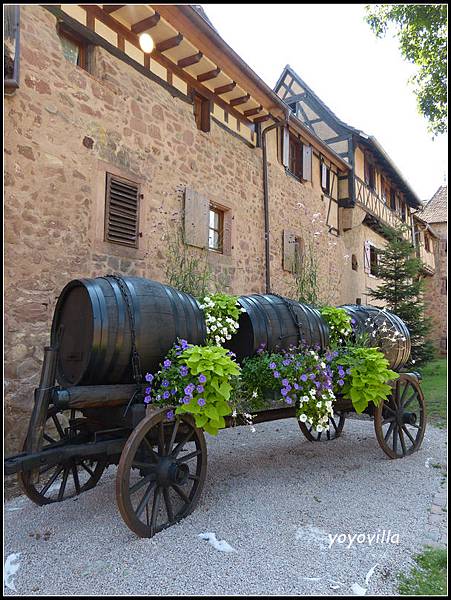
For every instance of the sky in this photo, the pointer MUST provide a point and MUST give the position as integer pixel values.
(363, 79)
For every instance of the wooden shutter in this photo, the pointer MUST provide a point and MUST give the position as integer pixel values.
(306, 162)
(367, 257)
(202, 113)
(289, 250)
(121, 211)
(286, 147)
(196, 219)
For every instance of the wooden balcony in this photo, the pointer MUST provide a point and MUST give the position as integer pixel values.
(427, 258)
(376, 207)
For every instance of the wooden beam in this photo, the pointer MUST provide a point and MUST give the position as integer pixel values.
(253, 111)
(163, 60)
(146, 24)
(109, 8)
(241, 100)
(190, 60)
(209, 75)
(172, 42)
(261, 119)
(223, 89)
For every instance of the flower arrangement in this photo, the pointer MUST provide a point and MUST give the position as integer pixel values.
(222, 312)
(197, 380)
(362, 375)
(340, 325)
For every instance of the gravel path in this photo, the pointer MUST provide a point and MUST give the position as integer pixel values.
(272, 495)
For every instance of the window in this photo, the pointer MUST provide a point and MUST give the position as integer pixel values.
(121, 211)
(443, 247)
(75, 49)
(293, 252)
(215, 229)
(392, 199)
(370, 173)
(444, 286)
(403, 211)
(295, 157)
(202, 112)
(325, 178)
(427, 242)
(354, 263)
(373, 260)
(11, 50)
(385, 190)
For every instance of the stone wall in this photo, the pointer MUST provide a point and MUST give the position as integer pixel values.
(64, 128)
(435, 299)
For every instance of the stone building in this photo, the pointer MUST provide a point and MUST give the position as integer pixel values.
(435, 218)
(110, 152)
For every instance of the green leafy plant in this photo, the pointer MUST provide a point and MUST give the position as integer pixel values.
(339, 325)
(222, 312)
(362, 375)
(197, 380)
(186, 269)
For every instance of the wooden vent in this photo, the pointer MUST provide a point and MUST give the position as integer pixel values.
(122, 211)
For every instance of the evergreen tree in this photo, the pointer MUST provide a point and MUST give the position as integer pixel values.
(402, 291)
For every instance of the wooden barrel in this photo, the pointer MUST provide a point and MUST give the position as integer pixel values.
(96, 339)
(275, 323)
(391, 334)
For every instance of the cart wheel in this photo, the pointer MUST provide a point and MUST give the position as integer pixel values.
(162, 460)
(336, 424)
(64, 480)
(400, 421)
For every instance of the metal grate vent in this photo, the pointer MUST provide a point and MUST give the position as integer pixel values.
(122, 211)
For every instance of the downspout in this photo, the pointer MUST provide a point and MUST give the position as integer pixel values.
(266, 200)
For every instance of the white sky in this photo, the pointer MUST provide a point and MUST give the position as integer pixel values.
(361, 78)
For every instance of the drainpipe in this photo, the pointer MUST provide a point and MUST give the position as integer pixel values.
(266, 199)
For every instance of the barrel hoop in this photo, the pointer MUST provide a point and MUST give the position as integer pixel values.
(100, 323)
(258, 317)
(289, 304)
(199, 318)
(121, 312)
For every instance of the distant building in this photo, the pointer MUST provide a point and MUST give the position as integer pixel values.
(435, 216)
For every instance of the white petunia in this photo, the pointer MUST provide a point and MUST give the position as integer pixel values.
(303, 418)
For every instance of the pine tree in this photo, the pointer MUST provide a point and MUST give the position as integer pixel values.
(402, 291)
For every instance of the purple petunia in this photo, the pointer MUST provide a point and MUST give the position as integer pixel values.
(165, 383)
(341, 382)
(189, 389)
(303, 377)
(201, 402)
(149, 377)
(186, 400)
(296, 386)
(272, 365)
(183, 371)
(148, 390)
(276, 374)
(318, 384)
(286, 362)
(284, 391)
(174, 391)
(285, 382)
(147, 399)
(167, 363)
(312, 376)
(288, 400)
(200, 389)
(166, 395)
(170, 414)
(202, 378)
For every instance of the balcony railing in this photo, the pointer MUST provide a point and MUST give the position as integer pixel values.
(374, 205)
(427, 258)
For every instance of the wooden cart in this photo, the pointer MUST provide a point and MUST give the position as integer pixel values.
(75, 433)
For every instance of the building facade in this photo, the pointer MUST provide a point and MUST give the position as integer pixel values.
(435, 218)
(111, 153)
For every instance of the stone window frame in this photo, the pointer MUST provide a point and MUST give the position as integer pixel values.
(100, 245)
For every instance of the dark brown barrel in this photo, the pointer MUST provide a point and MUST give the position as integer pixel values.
(391, 334)
(96, 340)
(276, 323)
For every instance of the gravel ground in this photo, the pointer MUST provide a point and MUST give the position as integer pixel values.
(272, 495)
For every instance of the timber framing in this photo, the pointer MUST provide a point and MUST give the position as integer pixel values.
(191, 51)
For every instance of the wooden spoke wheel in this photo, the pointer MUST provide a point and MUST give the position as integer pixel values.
(336, 424)
(161, 473)
(400, 421)
(64, 480)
